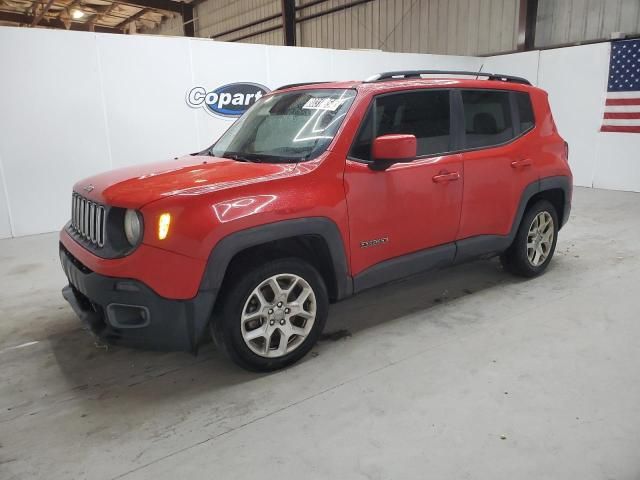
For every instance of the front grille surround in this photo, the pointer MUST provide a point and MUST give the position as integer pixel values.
(99, 228)
(88, 220)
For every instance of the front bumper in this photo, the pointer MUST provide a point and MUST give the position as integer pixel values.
(127, 312)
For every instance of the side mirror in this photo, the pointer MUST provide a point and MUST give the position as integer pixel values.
(390, 149)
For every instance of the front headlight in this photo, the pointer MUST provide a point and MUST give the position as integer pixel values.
(132, 227)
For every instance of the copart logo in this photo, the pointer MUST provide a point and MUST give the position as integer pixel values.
(230, 100)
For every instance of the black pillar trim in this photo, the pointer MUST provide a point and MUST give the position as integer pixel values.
(527, 19)
(188, 25)
(289, 22)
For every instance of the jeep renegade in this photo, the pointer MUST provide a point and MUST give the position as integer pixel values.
(317, 192)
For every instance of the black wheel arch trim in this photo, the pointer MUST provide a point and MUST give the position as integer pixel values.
(562, 183)
(486, 245)
(229, 246)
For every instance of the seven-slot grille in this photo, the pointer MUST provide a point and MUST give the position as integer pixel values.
(88, 219)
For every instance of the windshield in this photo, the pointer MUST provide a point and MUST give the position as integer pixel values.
(286, 127)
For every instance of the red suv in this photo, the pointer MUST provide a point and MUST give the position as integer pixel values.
(317, 192)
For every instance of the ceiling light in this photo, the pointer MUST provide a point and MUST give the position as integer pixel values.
(77, 14)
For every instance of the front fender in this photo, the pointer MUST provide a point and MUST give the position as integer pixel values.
(232, 244)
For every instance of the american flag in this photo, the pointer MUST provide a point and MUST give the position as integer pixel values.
(622, 108)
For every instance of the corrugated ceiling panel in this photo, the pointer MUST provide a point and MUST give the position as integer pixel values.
(435, 26)
(570, 21)
(459, 27)
(215, 17)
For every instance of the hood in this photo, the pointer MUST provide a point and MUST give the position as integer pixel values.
(133, 187)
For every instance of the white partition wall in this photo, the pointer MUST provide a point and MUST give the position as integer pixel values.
(216, 64)
(5, 220)
(523, 64)
(143, 84)
(73, 104)
(576, 80)
(52, 123)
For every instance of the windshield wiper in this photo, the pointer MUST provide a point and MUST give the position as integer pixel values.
(261, 157)
(238, 157)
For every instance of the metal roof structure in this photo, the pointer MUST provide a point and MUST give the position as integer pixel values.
(106, 16)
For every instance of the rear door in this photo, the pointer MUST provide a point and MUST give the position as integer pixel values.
(498, 165)
(410, 206)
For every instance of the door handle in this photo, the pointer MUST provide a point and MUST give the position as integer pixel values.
(446, 177)
(521, 163)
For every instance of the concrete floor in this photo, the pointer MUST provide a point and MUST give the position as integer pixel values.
(464, 373)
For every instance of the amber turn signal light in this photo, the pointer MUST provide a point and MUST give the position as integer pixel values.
(163, 225)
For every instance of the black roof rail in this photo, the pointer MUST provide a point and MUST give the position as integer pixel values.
(404, 74)
(291, 85)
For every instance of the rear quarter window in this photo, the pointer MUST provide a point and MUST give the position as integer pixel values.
(487, 117)
(525, 111)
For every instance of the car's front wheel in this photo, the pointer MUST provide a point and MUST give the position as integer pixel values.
(271, 315)
(535, 243)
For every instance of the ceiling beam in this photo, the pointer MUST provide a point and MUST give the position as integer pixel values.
(68, 8)
(91, 22)
(42, 13)
(132, 18)
(258, 32)
(188, 22)
(527, 18)
(289, 22)
(168, 5)
(328, 11)
(52, 23)
(247, 25)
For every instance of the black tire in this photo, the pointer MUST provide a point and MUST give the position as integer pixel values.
(226, 326)
(515, 260)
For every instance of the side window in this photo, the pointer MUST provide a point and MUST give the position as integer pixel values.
(424, 114)
(487, 115)
(525, 111)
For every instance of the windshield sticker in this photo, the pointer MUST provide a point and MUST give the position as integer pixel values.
(331, 104)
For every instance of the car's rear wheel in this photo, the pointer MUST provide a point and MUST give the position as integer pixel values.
(271, 315)
(535, 243)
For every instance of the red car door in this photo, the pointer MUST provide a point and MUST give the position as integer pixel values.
(411, 206)
(497, 164)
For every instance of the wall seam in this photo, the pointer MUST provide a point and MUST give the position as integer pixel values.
(12, 229)
(193, 81)
(268, 69)
(599, 134)
(104, 101)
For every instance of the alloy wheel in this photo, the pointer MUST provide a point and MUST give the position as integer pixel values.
(540, 238)
(278, 315)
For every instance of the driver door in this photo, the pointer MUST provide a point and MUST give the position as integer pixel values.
(397, 215)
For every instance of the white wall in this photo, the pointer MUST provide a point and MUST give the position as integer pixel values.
(73, 104)
(575, 78)
(52, 123)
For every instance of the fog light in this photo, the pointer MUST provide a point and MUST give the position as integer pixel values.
(163, 225)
